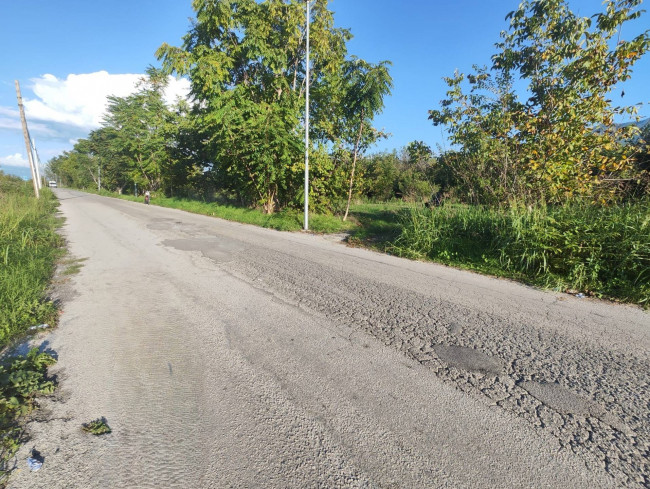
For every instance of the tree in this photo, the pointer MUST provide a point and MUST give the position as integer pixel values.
(73, 169)
(136, 125)
(562, 140)
(418, 152)
(141, 141)
(364, 88)
(381, 172)
(417, 172)
(246, 63)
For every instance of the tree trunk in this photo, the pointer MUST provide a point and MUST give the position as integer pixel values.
(269, 205)
(354, 166)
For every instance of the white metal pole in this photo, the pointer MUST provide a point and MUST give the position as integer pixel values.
(307, 125)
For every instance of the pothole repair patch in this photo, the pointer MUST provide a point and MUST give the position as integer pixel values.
(562, 399)
(469, 359)
(217, 250)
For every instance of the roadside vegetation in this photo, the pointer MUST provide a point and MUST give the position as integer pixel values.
(600, 251)
(97, 427)
(546, 179)
(29, 248)
(285, 220)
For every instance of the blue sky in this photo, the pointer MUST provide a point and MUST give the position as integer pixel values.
(68, 54)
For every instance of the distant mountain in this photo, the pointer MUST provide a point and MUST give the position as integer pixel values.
(19, 171)
(641, 124)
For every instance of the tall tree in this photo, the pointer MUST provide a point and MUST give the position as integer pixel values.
(364, 87)
(246, 63)
(137, 127)
(561, 141)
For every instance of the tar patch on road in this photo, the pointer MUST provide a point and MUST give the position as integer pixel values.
(217, 250)
(469, 359)
(562, 399)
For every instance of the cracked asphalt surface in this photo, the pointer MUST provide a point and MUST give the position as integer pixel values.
(224, 355)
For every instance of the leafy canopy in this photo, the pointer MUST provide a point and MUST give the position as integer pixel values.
(560, 140)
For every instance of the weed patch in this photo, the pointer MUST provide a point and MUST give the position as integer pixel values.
(378, 224)
(72, 265)
(97, 427)
(22, 380)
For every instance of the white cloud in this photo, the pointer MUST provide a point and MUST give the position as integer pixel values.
(9, 112)
(79, 101)
(62, 110)
(14, 160)
(177, 88)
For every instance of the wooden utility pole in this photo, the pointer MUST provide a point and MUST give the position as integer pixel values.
(28, 145)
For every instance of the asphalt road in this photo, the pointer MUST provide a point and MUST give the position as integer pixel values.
(224, 355)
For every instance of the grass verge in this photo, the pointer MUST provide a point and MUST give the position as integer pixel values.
(601, 251)
(29, 248)
(379, 225)
(286, 220)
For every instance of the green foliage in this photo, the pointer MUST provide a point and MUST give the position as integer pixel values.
(134, 134)
(257, 148)
(246, 62)
(381, 172)
(561, 141)
(97, 427)
(22, 379)
(603, 251)
(411, 175)
(29, 247)
(639, 185)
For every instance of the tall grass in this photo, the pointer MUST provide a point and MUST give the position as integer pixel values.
(29, 247)
(602, 251)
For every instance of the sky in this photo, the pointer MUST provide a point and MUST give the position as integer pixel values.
(69, 55)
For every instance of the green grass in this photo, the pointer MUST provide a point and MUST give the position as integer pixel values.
(29, 248)
(286, 220)
(379, 224)
(601, 251)
(71, 266)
